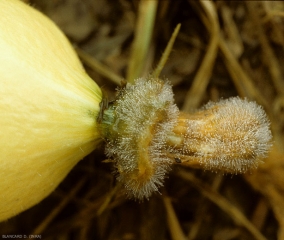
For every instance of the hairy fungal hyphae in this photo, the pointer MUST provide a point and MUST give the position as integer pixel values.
(136, 127)
(242, 135)
(231, 135)
(145, 133)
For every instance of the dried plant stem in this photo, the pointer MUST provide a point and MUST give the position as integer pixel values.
(224, 204)
(269, 57)
(99, 67)
(242, 81)
(173, 223)
(108, 198)
(201, 80)
(260, 213)
(274, 68)
(269, 181)
(202, 209)
(141, 43)
(166, 53)
(273, 13)
(40, 228)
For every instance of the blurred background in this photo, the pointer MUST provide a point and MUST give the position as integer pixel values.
(223, 49)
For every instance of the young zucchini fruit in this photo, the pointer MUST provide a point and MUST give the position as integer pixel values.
(48, 107)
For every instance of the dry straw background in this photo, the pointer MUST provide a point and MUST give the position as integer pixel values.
(223, 49)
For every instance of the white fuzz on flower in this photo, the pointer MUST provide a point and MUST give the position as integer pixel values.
(231, 135)
(145, 133)
(238, 138)
(144, 115)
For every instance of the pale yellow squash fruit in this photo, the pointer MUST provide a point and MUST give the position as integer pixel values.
(48, 108)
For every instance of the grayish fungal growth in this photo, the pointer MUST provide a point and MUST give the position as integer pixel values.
(145, 134)
(143, 116)
(231, 135)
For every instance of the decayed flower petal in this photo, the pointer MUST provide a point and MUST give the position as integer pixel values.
(145, 134)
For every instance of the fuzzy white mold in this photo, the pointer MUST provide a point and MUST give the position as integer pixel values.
(145, 133)
(144, 115)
